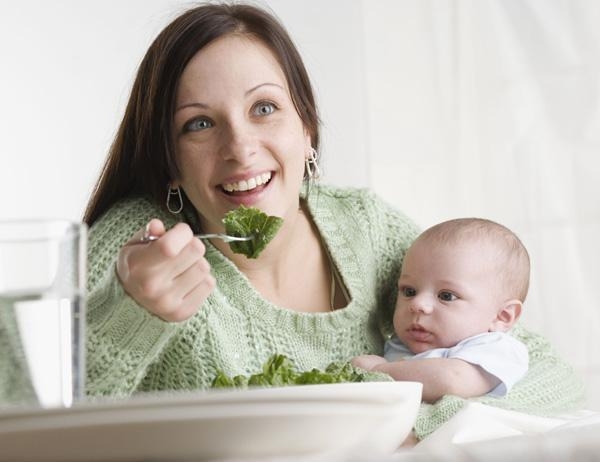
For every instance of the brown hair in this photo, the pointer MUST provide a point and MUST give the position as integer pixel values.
(141, 160)
(513, 259)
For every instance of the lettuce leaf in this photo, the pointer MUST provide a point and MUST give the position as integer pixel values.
(250, 221)
(279, 371)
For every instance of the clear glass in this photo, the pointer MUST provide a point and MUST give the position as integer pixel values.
(42, 312)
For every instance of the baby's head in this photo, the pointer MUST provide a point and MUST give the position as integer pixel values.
(460, 278)
(505, 257)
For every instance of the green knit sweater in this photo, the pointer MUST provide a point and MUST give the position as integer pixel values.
(236, 330)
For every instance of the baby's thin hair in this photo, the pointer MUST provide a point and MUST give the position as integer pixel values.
(513, 259)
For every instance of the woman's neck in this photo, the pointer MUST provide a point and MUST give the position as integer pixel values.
(293, 270)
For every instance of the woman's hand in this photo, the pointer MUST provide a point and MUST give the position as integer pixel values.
(368, 362)
(170, 276)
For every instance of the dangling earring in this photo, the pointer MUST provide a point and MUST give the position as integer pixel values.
(174, 192)
(313, 172)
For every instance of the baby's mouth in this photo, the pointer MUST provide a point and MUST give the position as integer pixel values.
(249, 184)
(419, 333)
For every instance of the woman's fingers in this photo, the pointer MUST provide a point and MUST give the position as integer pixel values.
(189, 289)
(169, 276)
(173, 241)
(193, 299)
(187, 280)
(154, 227)
(190, 254)
(162, 253)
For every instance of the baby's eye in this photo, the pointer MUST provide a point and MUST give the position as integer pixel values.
(446, 296)
(197, 125)
(264, 108)
(408, 291)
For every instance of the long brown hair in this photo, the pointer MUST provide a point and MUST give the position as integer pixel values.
(141, 160)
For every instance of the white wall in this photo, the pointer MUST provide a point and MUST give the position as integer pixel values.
(485, 107)
(492, 108)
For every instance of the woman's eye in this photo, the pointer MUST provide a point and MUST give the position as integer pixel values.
(408, 291)
(264, 108)
(197, 125)
(447, 296)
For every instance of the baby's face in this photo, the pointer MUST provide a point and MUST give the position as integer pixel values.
(446, 294)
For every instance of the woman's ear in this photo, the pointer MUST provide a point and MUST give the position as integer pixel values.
(507, 316)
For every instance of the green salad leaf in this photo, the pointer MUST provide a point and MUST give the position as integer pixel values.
(279, 371)
(250, 221)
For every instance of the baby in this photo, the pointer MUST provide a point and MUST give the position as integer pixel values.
(461, 289)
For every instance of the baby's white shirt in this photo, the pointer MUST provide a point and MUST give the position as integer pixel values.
(498, 353)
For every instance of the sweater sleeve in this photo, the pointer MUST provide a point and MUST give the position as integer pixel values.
(392, 233)
(122, 338)
(549, 387)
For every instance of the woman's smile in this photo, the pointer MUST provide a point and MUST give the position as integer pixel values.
(246, 190)
(247, 184)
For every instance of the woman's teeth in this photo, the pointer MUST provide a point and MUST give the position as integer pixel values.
(249, 184)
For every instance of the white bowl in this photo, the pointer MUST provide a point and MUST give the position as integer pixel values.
(371, 417)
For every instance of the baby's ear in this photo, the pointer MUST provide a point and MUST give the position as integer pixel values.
(507, 316)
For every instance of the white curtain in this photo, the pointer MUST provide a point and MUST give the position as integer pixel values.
(492, 108)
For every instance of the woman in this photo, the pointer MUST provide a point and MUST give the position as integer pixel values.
(221, 114)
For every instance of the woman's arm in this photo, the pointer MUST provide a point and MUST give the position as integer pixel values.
(391, 233)
(549, 387)
(122, 338)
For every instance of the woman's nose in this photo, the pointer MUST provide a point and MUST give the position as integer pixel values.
(239, 142)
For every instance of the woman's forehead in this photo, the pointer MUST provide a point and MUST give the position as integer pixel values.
(234, 59)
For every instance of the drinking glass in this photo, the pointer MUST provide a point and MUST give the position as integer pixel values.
(42, 312)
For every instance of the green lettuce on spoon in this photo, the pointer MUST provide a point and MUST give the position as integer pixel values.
(250, 221)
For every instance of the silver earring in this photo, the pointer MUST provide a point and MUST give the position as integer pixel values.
(313, 172)
(174, 192)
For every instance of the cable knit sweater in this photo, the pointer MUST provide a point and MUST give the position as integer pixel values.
(236, 330)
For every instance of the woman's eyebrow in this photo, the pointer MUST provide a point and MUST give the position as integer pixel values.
(262, 85)
(198, 105)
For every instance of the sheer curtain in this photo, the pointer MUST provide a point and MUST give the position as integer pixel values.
(492, 108)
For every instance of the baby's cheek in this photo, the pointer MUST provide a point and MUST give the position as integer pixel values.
(399, 315)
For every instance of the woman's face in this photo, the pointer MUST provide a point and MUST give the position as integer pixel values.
(239, 139)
